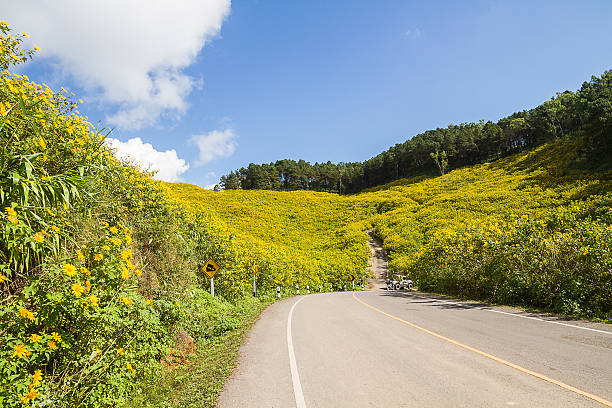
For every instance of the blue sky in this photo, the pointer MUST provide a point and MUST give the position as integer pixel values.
(317, 80)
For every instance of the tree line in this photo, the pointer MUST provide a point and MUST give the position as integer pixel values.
(586, 112)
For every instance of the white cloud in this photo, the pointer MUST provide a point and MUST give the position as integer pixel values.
(214, 145)
(413, 33)
(211, 175)
(167, 164)
(130, 54)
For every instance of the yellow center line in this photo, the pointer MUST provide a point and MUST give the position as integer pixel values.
(492, 357)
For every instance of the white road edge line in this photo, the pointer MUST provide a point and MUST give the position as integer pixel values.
(295, 376)
(524, 317)
(549, 321)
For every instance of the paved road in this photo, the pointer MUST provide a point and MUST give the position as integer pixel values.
(389, 349)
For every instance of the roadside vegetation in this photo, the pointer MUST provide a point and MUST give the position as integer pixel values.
(100, 267)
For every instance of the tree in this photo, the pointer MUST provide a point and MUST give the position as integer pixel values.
(231, 181)
(440, 160)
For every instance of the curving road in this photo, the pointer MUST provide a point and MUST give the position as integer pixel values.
(390, 349)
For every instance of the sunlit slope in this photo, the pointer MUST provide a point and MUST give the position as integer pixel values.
(532, 229)
(305, 237)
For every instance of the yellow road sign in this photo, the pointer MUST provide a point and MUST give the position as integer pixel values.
(352, 277)
(210, 268)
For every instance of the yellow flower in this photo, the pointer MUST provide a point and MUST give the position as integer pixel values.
(69, 270)
(10, 211)
(126, 254)
(128, 239)
(149, 301)
(115, 241)
(98, 257)
(37, 377)
(129, 367)
(138, 272)
(55, 228)
(52, 345)
(35, 338)
(37, 48)
(84, 271)
(114, 230)
(93, 300)
(56, 336)
(21, 351)
(88, 286)
(2, 278)
(80, 255)
(120, 351)
(126, 301)
(106, 247)
(30, 396)
(77, 289)
(130, 265)
(51, 213)
(124, 272)
(38, 237)
(13, 220)
(26, 314)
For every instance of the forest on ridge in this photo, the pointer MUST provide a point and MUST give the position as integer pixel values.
(586, 111)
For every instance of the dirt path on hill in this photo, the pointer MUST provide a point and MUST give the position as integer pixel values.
(378, 264)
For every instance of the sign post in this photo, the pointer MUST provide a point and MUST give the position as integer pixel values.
(278, 292)
(255, 270)
(352, 280)
(210, 268)
(308, 288)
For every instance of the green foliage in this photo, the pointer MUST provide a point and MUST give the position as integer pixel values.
(198, 383)
(98, 268)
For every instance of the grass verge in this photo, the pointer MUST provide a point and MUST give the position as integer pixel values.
(198, 383)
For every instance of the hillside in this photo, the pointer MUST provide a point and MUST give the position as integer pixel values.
(530, 229)
(300, 237)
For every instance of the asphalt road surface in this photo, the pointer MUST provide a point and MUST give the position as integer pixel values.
(383, 348)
